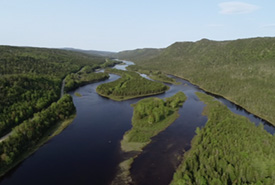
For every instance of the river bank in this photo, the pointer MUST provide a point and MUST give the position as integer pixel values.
(229, 149)
(217, 95)
(96, 132)
(54, 131)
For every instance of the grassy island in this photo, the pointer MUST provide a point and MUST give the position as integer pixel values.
(151, 116)
(78, 94)
(130, 85)
(153, 74)
(228, 150)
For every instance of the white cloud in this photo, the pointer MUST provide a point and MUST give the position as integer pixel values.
(235, 7)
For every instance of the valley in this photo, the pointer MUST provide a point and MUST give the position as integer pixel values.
(114, 143)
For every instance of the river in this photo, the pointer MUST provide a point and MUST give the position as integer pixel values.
(88, 150)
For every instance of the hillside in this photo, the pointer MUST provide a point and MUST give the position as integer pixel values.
(31, 80)
(22, 60)
(30, 104)
(92, 52)
(138, 54)
(240, 70)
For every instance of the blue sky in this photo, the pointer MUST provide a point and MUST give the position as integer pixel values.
(115, 25)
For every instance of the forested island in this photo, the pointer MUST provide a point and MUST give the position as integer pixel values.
(150, 117)
(155, 75)
(130, 85)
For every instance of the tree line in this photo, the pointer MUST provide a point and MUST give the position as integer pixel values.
(26, 135)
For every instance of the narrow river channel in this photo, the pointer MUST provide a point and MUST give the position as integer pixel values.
(88, 151)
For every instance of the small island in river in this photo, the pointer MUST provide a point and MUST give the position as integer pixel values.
(151, 116)
(130, 85)
(153, 74)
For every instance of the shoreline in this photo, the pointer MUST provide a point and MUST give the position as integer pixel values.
(123, 175)
(85, 83)
(262, 118)
(129, 97)
(224, 97)
(164, 81)
(57, 129)
(132, 149)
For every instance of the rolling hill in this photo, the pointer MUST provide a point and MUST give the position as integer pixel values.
(240, 70)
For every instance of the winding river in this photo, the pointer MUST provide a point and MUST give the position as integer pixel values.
(88, 150)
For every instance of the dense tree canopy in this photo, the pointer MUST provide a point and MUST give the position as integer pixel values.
(228, 150)
(54, 62)
(31, 79)
(241, 70)
(74, 80)
(130, 85)
(23, 95)
(29, 133)
(153, 74)
(152, 115)
(30, 85)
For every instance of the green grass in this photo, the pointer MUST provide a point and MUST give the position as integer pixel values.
(77, 94)
(228, 150)
(130, 85)
(61, 126)
(123, 175)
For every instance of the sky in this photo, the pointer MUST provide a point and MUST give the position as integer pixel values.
(116, 25)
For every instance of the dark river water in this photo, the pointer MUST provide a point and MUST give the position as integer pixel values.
(88, 150)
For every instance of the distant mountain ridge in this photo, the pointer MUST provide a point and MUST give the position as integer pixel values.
(204, 47)
(92, 52)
